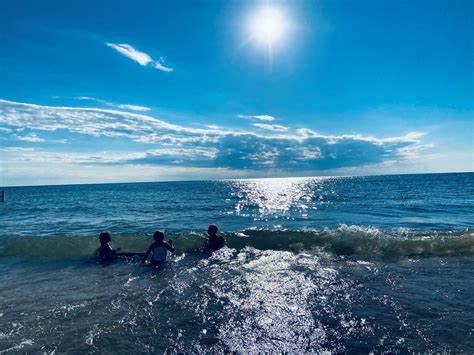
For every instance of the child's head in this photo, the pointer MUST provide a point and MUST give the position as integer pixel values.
(158, 236)
(104, 237)
(212, 229)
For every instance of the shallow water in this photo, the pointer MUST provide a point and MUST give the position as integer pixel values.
(338, 264)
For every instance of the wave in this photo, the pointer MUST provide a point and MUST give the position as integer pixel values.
(363, 242)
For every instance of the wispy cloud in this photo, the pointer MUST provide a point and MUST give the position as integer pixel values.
(139, 57)
(271, 127)
(130, 52)
(108, 103)
(133, 108)
(267, 118)
(88, 98)
(208, 148)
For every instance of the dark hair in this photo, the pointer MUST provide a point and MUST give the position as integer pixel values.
(104, 237)
(158, 236)
(212, 229)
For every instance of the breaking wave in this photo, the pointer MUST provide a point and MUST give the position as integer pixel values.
(363, 242)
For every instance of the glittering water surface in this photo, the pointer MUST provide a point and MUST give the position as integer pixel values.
(311, 264)
(259, 198)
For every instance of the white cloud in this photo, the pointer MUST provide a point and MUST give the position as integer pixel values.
(30, 138)
(89, 98)
(267, 118)
(108, 103)
(100, 122)
(133, 108)
(161, 67)
(212, 147)
(271, 127)
(130, 52)
(139, 57)
(411, 136)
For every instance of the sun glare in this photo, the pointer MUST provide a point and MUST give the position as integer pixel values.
(268, 26)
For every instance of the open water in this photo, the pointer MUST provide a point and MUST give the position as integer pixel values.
(355, 264)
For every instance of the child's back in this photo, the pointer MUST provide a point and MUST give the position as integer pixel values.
(215, 241)
(159, 249)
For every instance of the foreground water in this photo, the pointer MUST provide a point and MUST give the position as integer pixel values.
(354, 264)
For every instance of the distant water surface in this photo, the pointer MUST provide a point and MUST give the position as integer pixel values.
(441, 202)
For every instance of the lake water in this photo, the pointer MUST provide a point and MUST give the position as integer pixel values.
(357, 264)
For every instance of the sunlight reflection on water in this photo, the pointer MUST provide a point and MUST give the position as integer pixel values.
(262, 197)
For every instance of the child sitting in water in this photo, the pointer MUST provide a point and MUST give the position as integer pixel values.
(215, 241)
(105, 251)
(159, 249)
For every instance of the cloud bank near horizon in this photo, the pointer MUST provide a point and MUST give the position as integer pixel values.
(152, 142)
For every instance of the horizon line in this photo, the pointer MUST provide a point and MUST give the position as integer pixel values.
(232, 179)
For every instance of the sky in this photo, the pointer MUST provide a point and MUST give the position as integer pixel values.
(122, 91)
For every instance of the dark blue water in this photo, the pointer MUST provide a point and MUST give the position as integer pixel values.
(435, 202)
(357, 264)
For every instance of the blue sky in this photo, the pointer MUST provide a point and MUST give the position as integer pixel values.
(107, 91)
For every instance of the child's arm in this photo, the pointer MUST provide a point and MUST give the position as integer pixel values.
(169, 245)
(147, 254)
(113, 252)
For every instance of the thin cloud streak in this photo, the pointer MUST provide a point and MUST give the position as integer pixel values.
(271, 127)
(133, 108)
(108, 103)
(267, 118)
(140, 57)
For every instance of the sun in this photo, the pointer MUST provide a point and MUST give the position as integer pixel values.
(268, 26)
